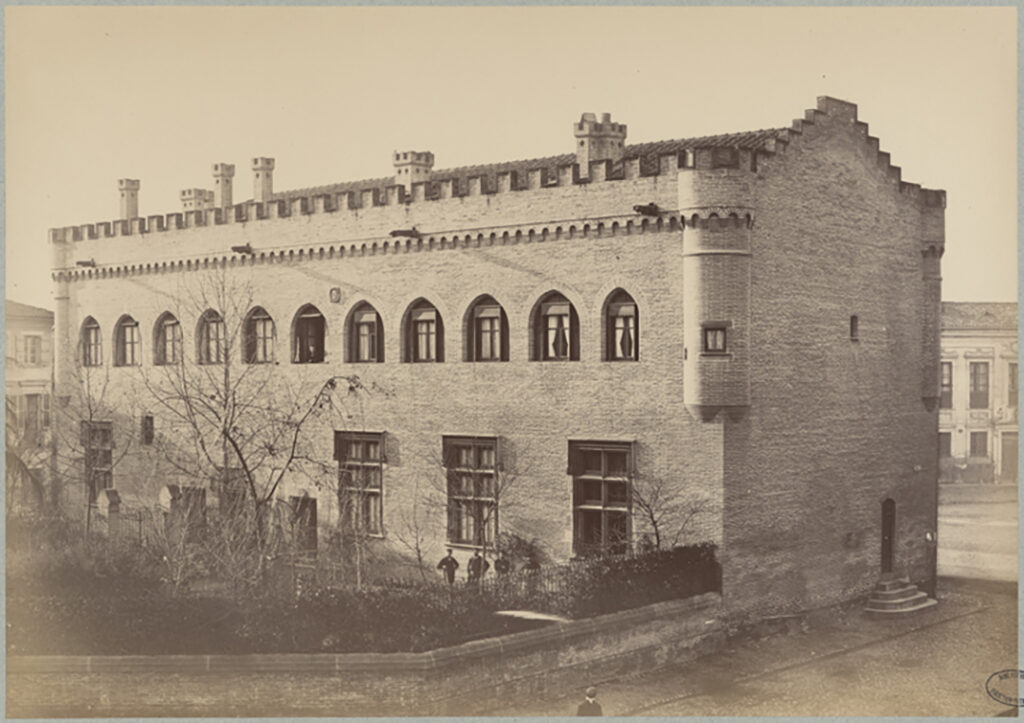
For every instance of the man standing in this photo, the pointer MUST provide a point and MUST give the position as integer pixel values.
(476, 568)
(449, 564)
(502, 566)
(590, 706)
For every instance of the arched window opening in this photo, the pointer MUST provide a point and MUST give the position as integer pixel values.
(424, 333)
(127, 345)
(310, 329)
(167, 341)
(486, 331)
(210, 339)
(365, 335)
(258, 336)
(622, 328)
(92, 343)
(556, 329)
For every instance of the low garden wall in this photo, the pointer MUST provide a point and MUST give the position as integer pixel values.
(470, 678)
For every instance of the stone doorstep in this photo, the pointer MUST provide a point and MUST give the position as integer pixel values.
(893, 594)
(893, 583)
(908, 601)
(926, 603)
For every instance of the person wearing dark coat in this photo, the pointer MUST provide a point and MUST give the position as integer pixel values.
(449, 564)
(589, 706)
(502, 566)
(477, 567)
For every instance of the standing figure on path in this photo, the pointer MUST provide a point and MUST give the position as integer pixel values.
(477, 567)
(502, 566)
(589, 706)
(449, 564)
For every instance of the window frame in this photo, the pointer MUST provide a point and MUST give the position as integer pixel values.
(97, 439)
(609, 504)
(353, 499)
(621, 306)
(487, 309)
(549, 308)
(127, 343)
(711, 331)
(473, 514)
(945, 445)
(973, 448)
(424, 334)
(33, 349)
(365, 318)
(168, 335)
(946, 385)
(211, 348)
(979, 384)
(259, 337)
(92, 343)
(304, 329)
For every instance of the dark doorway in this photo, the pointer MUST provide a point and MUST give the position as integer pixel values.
(888, 534)
(1008, 473)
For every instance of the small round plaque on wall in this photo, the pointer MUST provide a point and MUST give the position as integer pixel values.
(335, 295)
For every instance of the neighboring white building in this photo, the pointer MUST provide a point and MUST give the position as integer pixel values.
(28, 333)
(979, 389)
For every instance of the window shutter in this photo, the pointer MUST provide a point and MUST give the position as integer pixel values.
(447, 452)
(632, 466)
(574, 334)
(504, 336)
(384, 447)
(380, 339)
(499, 455)
(340, 447)
(440, 339)
(46, 409)
(19, 349)
(575, 465)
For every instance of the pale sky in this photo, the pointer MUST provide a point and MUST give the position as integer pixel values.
(94, 94)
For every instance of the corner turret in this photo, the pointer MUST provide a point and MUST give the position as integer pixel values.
(223, 173)
(129, 190)
(262, 179)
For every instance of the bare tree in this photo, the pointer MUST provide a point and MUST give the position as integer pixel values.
(668, 514)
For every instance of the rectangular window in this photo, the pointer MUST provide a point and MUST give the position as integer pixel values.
(471, 465)
(979, 444)
(946, 385)
(309, 338)
(426, 339)
(212, 342)
(714, 339)
(979, 385)
(261, 340)
(128, 344)
(945, 445)
(602, 496)
(1011, 385)
(147, 431)
(366, 350)
(34, 350)
(34, 412)
(623, 342)
(97, 439)
(93, 352)
(360, 458)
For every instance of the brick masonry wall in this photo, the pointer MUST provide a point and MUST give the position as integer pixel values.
(835, 426)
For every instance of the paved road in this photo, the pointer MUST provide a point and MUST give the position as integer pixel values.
(934, 664)
(978, 540)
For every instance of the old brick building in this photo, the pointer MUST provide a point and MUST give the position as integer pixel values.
(746, 323)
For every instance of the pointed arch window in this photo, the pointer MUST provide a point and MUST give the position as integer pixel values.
(622, 328)
(167, 340)
(365, 335)
(486, 331)
(127, 345)
(92, 343)
(258, 336)
(308, 338)
(424, 333)
(210, 339)
(556, 329)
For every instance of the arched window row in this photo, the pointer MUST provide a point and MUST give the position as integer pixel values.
(554, 330)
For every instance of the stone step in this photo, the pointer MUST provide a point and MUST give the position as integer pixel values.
(893, 594)
(899, 604)
(927, 603)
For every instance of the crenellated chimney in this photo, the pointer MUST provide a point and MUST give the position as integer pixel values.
(129, 189)
(262, 179)
(598, 141)
(223, 173)
(196, 199)
(412, 167)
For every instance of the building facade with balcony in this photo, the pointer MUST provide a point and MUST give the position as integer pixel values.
(979, 384)
(550, 348)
